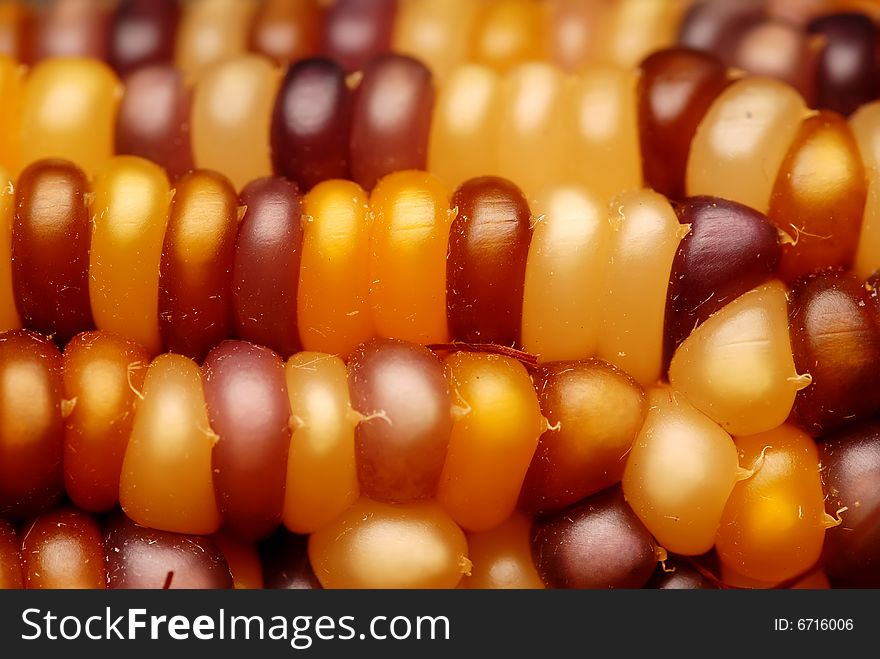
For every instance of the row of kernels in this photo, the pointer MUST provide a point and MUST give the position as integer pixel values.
(226, 428)
(234, 118)
(250, 442)
(194, 35)
(755, 37)
(688, 500)
(750, 140)
(349, 251)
